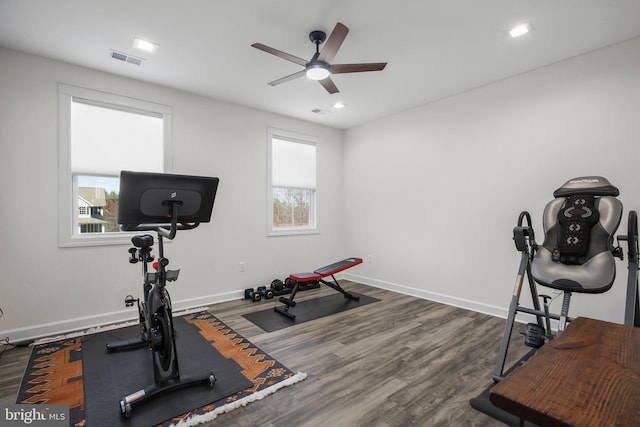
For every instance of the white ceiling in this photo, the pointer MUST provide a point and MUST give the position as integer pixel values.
(434, 48)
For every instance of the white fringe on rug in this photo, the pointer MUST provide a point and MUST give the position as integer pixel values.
(210, 416)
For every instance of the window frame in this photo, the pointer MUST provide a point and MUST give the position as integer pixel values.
(313, 214)
(67, 188)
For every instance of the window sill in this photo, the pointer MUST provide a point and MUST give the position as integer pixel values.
(96, 240)
(292, 232)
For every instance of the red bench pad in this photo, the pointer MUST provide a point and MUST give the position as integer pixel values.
(305, 277)
(337, 267)
(329, 270)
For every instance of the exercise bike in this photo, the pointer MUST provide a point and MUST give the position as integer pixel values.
(164, 204)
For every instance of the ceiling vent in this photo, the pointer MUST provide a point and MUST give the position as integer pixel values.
(319, 111)
(124, 57)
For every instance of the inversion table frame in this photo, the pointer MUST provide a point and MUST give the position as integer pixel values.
(524, 240)
(318, 275)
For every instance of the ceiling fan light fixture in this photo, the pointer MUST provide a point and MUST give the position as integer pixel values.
(317, 71)
(320, 66)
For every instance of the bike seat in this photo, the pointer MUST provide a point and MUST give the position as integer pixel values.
(143, 241)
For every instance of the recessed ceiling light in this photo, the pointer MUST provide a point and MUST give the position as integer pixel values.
(145, 45)
(519, 30)
(338, 105)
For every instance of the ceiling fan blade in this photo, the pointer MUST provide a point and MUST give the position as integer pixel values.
(357, 68)
(333, 43)
(280, 54)
(288, 78)
(329, 85)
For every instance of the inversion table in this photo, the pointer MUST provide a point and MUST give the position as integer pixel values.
(318, 275)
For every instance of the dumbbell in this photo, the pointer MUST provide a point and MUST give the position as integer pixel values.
(289, 283)
(277, 285)
(266, 293)
(251, 294)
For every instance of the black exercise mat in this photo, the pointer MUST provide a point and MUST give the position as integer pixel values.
(110, 376)
(269, 320)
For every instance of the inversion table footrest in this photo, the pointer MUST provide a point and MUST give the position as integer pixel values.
(318, 275)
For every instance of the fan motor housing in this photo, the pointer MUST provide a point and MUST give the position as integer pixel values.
(317, 36)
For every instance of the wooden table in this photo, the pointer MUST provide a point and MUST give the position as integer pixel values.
(589, 376)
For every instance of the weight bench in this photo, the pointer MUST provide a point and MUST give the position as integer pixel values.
(318, 275)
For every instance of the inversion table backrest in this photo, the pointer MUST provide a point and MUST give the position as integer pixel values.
(592, 271)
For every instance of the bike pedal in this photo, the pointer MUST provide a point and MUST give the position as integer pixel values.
(534, 335)
(130, 300)
(156, 340)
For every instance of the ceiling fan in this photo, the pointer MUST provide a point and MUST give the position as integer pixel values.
(320, 67)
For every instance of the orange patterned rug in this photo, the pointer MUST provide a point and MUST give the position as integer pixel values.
(54, 374)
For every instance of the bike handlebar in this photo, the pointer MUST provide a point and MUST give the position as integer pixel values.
(167, 230)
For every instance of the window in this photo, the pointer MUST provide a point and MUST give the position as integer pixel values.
(100, 135)
(291, 183)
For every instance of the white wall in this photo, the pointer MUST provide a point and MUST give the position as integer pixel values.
(434, 192)
(46, 289)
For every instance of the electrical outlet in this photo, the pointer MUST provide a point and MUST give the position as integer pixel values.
(370, 258)
(242, 265)
(556, 292)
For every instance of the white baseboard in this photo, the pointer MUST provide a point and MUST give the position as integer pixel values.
(83, 323)
(492, 310)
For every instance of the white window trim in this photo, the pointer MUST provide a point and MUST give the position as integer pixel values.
(293, 231)
(66, 199)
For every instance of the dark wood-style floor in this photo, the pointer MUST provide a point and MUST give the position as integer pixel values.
(403, 361)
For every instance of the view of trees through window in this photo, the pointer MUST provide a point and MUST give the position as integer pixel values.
(111, 212)
(291, 207)
(292, 183)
